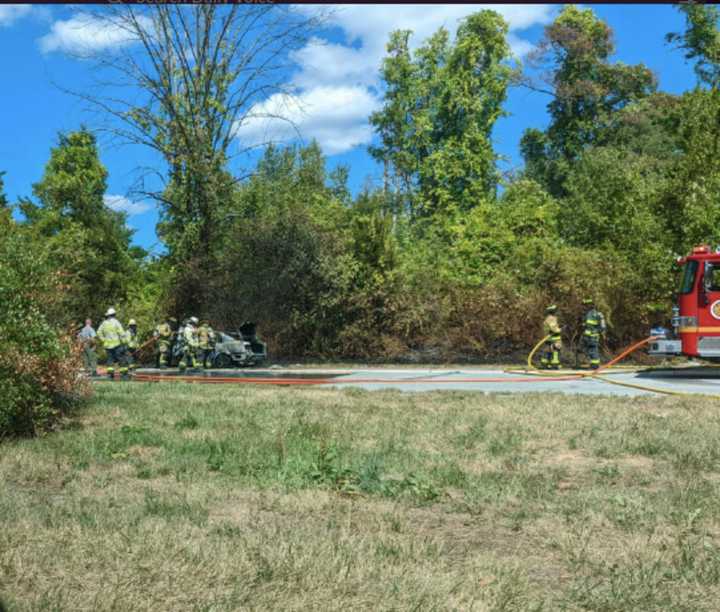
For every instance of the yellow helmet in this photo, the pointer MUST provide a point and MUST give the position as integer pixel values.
(132, 322)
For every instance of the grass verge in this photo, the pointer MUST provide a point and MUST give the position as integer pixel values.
(174, 496)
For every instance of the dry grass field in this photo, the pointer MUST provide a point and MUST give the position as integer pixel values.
(181, 497)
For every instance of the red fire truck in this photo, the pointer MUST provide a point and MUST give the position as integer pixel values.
(696, 316)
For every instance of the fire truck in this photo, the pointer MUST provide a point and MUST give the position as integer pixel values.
(696, 315)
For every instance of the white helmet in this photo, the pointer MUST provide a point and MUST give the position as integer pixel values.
(194, 320)
(110, 312)
(132, 322)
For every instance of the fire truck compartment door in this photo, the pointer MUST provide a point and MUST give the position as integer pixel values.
(665, 347)
(709, 346)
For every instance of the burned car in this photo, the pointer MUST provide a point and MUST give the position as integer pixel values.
(238, 348)
(231, 348)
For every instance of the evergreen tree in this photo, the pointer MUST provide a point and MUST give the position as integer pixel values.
(91, 241)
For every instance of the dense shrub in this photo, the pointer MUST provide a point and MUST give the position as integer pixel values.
(39, 365)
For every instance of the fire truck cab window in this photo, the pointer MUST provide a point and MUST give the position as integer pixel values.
(688, 278)
(714, 278)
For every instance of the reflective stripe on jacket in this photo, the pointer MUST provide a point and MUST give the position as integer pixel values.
(594, 323)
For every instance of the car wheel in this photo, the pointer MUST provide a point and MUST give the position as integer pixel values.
(222, 360)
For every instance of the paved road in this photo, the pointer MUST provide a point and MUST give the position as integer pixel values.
(695, 380)
(499, 381)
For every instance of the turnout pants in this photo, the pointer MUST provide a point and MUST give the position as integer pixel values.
(189, 357)
(163, 353)
(591, 348)
(116, 356)
(205, 354)
(551, 354)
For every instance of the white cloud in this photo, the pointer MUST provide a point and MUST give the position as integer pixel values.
(335, 116)
(338, 81)
(9, 13)
(122, 204)
(83, 34)
(369, 27)
(325, 63)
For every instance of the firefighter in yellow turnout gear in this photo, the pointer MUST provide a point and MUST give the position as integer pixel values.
(551, 328)
(131, 343)
(206, 343)
(163, 337)
(593, 327)
(190, 344)
(112, 336)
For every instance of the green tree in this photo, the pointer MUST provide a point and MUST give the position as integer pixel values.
(440, 108)
(4, 202)
(286, 262)
(587, 91)
(189, 79)
(701, 40)
(393, 123)
(91, 241)
(691, 202)
(694, 192)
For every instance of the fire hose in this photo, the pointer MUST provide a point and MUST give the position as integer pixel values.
(596, 373)
(531, 375)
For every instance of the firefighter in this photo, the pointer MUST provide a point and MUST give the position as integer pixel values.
(206, 342)
(131, 343)
(593, 327)
(189, 338)
(112, 336)
(553, 344)
(163, 335)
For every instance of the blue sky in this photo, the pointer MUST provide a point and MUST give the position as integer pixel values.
(336, 76)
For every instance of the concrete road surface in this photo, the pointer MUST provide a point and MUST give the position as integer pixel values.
(501, 381)
(693, 380)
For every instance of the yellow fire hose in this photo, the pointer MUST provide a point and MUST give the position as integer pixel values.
(596, 373)
(535, 350)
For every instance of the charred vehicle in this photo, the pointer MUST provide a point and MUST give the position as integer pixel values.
(238, 348)
(232, 348)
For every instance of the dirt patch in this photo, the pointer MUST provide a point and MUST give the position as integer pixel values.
(143, 452)
(574, 459)
(577, 460)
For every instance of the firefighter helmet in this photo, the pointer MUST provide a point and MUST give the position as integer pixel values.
(551, 308)
(132, 322)
(110, 312)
